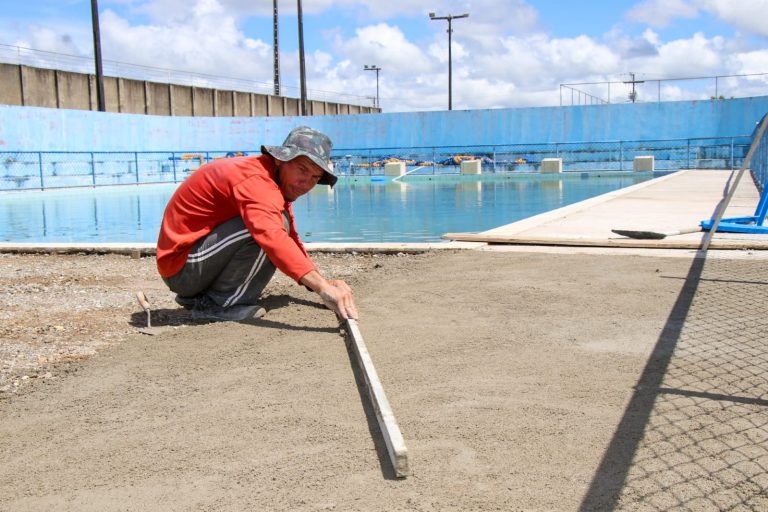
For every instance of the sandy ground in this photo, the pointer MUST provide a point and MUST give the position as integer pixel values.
(509, 374)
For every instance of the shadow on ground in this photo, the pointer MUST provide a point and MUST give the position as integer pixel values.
(693, 436)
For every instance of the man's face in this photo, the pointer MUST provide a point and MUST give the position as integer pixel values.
(298, 176)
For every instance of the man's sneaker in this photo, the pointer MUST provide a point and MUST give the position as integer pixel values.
(206, 309)
(186, 302)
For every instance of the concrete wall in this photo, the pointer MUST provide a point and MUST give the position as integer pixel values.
(203, 102)
(182, 100)
(50, 129)
(39, 87)
(132, 97)
(36, 87)
(70, 87)
(10, 84)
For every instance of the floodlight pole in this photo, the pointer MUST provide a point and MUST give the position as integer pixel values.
(97, 56)
(449, 18)
(374, 67)
(276, 48)
(302, 72)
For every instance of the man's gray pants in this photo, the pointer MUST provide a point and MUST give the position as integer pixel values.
(227, 265)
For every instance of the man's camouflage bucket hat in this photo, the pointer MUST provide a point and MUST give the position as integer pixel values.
(308, 142)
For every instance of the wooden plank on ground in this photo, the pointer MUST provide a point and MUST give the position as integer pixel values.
(393, 438)
(667, 243)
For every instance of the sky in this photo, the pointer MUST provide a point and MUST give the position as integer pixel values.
(507, 53)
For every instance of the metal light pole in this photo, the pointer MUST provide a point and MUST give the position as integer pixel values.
(276, 48)
(449, 18)
(374, 67)
(97, 57)
(302, 73)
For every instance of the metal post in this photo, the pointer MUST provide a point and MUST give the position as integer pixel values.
(93, 170)
(621, 156)
(449, 18)
(97, 56)
(40, 166)
(276, 49)
(732, 156)
(374, 67)
(136, 162)
(633, 94)
(450, 68)
(302, 72)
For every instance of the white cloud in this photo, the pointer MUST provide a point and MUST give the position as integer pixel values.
(660, 13)
(538, 61)
(696, 56)
(745, 15)
(45, 38)
(189, 45)
(387, 47)
(752, 62)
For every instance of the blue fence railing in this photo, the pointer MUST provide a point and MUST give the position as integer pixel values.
(25, 170)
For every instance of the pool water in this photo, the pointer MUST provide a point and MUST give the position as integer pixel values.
(413, 209)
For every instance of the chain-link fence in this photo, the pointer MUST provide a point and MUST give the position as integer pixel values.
(41, 170)
(695, 433)
(702, 153)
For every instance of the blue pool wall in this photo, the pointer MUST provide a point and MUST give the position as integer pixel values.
(43, 129)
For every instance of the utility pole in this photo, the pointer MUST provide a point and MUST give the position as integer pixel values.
(633, 94)
(97, 56)
(276, 47)
(302, 73)
(449, 18)
(374, 67)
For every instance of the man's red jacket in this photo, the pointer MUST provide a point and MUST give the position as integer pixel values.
(219, 191)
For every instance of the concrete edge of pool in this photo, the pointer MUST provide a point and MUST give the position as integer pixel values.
(149, 249)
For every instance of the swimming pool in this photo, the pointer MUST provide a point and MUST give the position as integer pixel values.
(413, 209)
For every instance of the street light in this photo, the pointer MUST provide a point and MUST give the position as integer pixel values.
(374, 67)
(302, 72)
(275, 47)
(449, 18)
(100, 100)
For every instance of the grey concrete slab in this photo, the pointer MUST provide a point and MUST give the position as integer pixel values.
(669, 203)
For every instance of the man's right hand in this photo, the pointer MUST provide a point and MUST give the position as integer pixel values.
(335, 293)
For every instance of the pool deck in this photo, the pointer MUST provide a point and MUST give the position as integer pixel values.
(672, 203)
(669, 203)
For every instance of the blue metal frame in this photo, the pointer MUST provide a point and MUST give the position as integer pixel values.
(753, 224)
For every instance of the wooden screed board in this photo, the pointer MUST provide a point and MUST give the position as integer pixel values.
(393, 438)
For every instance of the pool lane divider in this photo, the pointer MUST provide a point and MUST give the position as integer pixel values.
(390, 431)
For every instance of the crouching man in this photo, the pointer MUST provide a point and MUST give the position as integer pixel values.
(230, 224)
